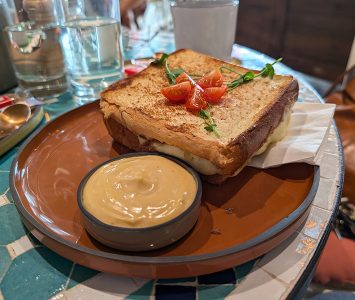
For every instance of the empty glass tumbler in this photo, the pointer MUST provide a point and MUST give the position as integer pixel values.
(207, 26)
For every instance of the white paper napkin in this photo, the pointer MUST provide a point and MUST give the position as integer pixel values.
(307, 129)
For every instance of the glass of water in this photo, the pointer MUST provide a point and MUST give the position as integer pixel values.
(32, 38)
(92, 44)
(206, 26)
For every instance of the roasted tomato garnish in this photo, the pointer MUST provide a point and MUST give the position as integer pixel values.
(196, 99)
(211, 79)
(178, 92)
(214, 94)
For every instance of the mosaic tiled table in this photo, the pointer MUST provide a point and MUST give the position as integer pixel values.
(29, 270)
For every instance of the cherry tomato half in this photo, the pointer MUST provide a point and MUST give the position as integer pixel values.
(178, 92)
(211, 79)
(215, 94)
(183, 77)
(196, 99)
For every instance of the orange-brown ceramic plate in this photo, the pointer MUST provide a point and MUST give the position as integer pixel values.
(243, 218)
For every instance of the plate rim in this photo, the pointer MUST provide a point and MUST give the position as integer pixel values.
(270, 232)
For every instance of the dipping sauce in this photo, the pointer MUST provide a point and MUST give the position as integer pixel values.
(138, 192)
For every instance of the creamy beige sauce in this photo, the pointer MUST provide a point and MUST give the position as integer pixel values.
(139, 192)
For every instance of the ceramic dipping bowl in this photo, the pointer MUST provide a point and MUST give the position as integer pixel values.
(146, 238)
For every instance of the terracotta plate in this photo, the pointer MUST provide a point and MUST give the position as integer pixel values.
(239, 220)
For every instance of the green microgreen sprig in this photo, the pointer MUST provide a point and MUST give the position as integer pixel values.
(171, 74)
(210, 125)
(267, 71)
(160, 61)
(229, 69)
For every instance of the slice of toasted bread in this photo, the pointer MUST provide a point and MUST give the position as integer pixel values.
(138, 116)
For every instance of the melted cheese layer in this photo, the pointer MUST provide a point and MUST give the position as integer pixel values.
(205, 166)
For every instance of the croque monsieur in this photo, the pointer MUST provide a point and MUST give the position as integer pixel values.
(248, 118)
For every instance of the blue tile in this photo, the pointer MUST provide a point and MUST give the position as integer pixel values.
(177, 280)
(4, 182)
(65, 103)
(9, 196)
(5, 262)
(11, 227)
(37, 274)
(142, 293)
(223, 277)
(175, 292)
(6, 159)
(80, 274)
(215, 292)
(243, 270)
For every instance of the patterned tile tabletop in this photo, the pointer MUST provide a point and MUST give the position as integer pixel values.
(29, 270)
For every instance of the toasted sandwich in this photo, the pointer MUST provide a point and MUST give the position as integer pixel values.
(248, 118)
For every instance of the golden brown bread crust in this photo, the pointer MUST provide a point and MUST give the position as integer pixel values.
(246, 144)
(160, 121)
(241, 148)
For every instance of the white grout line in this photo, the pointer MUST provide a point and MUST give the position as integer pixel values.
(3, 275)
(69, 276)
(152, 291)
(275, 277)
(19, 246)
(31, 238)
(102, 286)
(4, 200)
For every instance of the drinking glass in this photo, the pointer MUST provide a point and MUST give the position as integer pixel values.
(92, 45)
(206, 26)
(32, 38)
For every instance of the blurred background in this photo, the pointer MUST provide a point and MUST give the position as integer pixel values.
(313, 37)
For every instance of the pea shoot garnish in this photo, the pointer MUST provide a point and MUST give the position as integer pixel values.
(171, 74)
(267, 71)
(210, 125)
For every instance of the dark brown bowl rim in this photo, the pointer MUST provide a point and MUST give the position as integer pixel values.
(272, 231)
(107, 227)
